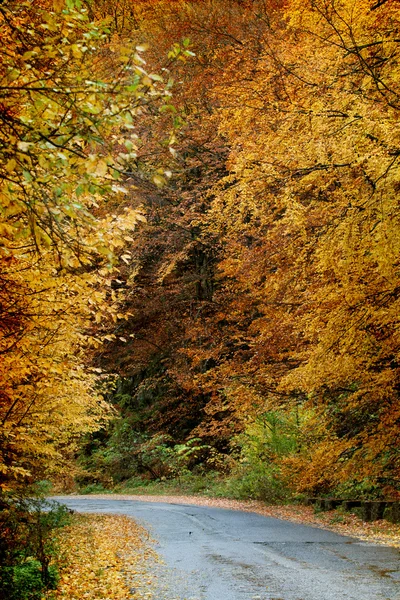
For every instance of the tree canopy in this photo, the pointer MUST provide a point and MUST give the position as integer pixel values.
(69, 97)
(263, 286)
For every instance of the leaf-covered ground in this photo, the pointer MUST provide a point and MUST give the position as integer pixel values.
(105, 557)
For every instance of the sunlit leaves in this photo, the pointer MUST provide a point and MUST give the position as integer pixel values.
(62, 112)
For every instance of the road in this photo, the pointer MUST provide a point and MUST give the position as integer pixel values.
(218, 554)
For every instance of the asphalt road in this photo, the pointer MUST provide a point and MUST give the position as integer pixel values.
(218, 554)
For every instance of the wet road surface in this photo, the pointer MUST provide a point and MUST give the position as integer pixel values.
(217, 554)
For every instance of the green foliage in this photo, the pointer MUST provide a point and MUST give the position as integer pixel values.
(270, 435)
(129, 453)
(28, 544)
(261, 448)
(364, 489)
(94, 488)
(259, 482)
(125, 449)
(109, 457)
(255, 465)
(25, 581)
(209, 483)
(162, 459)
(156, 464)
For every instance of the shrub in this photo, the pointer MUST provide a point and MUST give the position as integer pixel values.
(25, 581)
(28, 544)
(261, 449)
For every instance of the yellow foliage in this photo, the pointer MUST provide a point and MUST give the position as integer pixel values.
(309, 218)
(66, 101)
(102, 556)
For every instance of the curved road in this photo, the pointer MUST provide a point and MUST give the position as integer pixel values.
(218, 554)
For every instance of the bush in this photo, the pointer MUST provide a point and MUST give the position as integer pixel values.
(260, 450)
(258, 482)
(94, 488)
(160, 458)
(25, 582)
(28, 544)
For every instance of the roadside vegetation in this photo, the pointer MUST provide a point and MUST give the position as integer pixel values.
(29, 544)
(257, 466)
(250, 471)
(261, 348)
(199, 255)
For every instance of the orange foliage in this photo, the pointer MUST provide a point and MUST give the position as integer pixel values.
(59, 243)
(267, 274)
(276, 244)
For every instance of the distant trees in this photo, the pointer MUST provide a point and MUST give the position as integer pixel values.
(274, 256)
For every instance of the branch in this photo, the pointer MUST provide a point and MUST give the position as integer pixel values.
(378, 4)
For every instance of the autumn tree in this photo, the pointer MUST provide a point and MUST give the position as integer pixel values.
(68, 103)
(268, 281)
(174, 275)
(310, 222)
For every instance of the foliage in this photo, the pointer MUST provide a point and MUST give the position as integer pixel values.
(152, 458)
(29, 527)
(265, 279)
(315, 217)
(24, 582)
(162, 460)
(270, 437)
(262, 449)
(69, 97)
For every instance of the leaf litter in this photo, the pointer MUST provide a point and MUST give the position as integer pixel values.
(105, 557)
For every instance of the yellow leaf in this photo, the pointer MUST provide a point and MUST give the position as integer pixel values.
(10, 166)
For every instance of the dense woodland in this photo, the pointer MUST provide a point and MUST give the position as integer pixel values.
(199, 248)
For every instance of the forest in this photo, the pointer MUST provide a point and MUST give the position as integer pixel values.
(199, 245)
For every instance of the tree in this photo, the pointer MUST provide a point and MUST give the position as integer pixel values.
(68, 103)
(313, 190)
(269, 277)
